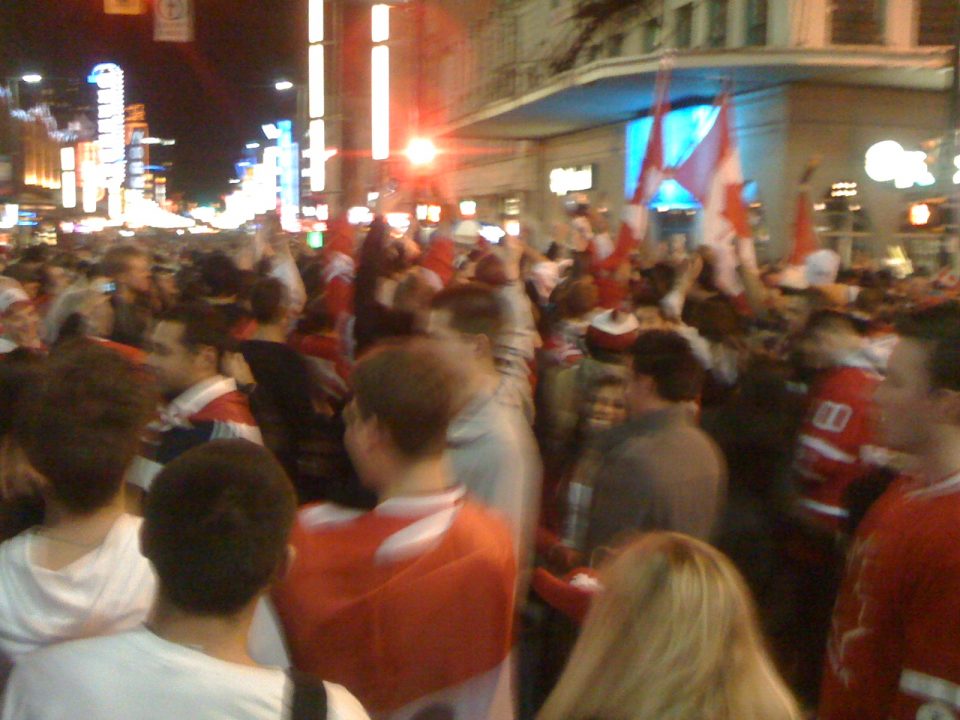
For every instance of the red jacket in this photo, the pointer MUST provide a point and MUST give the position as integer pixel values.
(835, 442)
(400, 603)
(895, 643)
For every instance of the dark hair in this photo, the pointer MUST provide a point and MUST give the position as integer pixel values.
(939, 329)
(220, 275)
(85, 423)
(267, 300)
(474, 309)
(830, 320)
(408, 386)
(117, 260)
(20, 373)
(216, 524)
(668, 359)
(203, 324)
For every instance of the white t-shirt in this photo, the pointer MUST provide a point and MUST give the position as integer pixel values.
(139, 676)
(109, 589)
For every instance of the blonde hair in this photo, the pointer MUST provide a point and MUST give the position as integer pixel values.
(673, 636)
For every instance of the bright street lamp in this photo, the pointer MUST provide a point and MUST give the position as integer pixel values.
(421, 151)
(283, 85)
(252, 145)
(32, 78)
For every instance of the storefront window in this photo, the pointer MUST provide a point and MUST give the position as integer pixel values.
(756, 22)
(858, 22)
(717, 36)
(683, 29)
(937, 22)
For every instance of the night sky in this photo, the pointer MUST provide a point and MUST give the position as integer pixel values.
(211, 95)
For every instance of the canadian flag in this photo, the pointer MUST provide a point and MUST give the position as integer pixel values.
(635, 222)
(804, 235)
(636, 214)
(712, 174)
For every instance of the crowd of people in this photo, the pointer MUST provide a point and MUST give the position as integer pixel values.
(410, 477)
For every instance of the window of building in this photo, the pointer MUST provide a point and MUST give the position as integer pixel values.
(683, 26)
(756, 22)
(615, 45)
(651, 35)
(937, 22)
(593, 52)
(858, 22)
(717, 21)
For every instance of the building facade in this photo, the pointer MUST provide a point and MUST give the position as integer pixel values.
(529, 98)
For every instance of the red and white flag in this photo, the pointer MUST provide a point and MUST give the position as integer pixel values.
(636, 214)
(804, 234)
(713, 175)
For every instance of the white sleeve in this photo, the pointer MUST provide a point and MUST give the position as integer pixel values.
(265, 643)
(342, 705)
(285, 270)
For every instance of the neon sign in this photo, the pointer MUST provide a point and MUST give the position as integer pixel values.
(108, 77)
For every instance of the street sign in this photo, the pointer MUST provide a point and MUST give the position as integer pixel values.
(173, 21)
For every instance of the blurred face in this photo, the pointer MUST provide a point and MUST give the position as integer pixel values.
(905, 401)
(176, 366)
(100, 315)
(21, 325)
(608, 407)
(137, 275)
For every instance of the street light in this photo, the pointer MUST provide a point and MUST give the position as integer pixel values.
(421, 151)
(32, 78)
(283, 85)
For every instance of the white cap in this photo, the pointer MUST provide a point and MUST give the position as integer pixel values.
(822, 267)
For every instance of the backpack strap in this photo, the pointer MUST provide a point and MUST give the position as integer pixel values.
(309, 697)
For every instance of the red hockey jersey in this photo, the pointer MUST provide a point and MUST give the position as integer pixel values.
(835, 447)
(408, 605)
(894, 649)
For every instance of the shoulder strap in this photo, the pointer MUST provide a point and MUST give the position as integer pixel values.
(309, 697)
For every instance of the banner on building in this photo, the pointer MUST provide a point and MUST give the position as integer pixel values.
(124, 7)
(173, 21)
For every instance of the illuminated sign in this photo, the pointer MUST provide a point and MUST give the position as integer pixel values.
(468, 208)
(888, 161)
(108, 78)
(920, 214)
(571, 179)
(316, 96)
(68, 175)
(289, 160)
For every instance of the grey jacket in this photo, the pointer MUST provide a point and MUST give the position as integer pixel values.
(656, 472)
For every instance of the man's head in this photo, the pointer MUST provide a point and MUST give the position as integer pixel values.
(129, 266)
(665, 371)
(270, 302)
(920, 395)
(186, 345)
(216, 524)
(470, 316)
(19, 322)
(85, 424)
(402, 405)
(828, 338)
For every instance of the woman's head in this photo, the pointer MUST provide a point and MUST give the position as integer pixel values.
(672, 635)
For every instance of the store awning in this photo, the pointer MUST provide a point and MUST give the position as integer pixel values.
(620, 89)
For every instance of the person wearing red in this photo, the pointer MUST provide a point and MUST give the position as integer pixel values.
(893, 652)
(187, 351)
(410, 605)
(836, 444)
